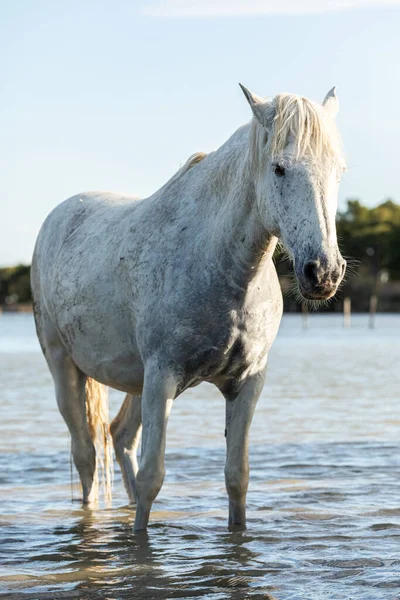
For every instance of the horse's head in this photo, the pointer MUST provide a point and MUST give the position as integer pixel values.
(297, 162)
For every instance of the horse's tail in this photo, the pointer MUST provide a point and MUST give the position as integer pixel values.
(99, 429)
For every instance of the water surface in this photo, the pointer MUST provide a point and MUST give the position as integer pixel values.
(324, 497)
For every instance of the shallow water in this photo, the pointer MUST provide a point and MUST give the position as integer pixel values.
(323, 502)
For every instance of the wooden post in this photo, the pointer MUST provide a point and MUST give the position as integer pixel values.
(347, 312)
(304, 310)
(373, 302)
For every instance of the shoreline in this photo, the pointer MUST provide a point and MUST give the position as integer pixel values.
(24, 307)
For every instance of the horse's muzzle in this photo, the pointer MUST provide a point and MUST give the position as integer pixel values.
(318, 282)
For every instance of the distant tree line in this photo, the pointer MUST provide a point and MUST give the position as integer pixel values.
(15, 285)
(372, 236)
(368, 237)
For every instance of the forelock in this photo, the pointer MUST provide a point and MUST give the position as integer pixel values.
(304, 123)
(312, 131)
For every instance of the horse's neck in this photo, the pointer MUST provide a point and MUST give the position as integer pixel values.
(240, 241)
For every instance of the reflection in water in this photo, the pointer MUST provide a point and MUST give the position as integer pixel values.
(104, 558)
(324, 511)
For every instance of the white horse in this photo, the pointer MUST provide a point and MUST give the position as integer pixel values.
(154, 296)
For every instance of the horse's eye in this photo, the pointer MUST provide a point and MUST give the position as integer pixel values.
(280, 171)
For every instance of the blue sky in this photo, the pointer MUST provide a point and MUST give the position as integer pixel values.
(116, 95)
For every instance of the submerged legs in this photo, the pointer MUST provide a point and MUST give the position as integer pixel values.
(159, 391)
(239, 413)
(125, 430)
(158, 394)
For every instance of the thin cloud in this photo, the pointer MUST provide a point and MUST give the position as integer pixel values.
(230, 8)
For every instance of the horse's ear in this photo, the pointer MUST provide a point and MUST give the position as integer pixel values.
(261, 108)
(331, 103)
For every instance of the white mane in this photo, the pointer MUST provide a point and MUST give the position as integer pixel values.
(191, 161)
(194, 159)
(314, 133)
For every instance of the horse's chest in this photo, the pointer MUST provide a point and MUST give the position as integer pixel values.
(227, 354)
(214, 335)
(239, 357)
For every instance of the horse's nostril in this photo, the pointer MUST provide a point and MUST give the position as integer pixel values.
(343, 269)
(311, 271)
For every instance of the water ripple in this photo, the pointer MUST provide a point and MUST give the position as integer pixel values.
(324, 509)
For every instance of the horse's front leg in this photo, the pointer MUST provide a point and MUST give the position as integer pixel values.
(159, 391)
(239, 413)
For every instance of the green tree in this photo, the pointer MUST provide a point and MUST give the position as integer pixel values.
(15, 282)
(372, 237)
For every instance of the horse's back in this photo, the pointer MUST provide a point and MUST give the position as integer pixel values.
(82, 217)
(92, 210)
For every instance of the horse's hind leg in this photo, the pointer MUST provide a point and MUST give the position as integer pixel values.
(125, 430)
(69, 384)
(70, 393)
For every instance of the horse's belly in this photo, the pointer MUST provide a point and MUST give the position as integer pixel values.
(123, 375)
(122, 371)
(104, 350)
